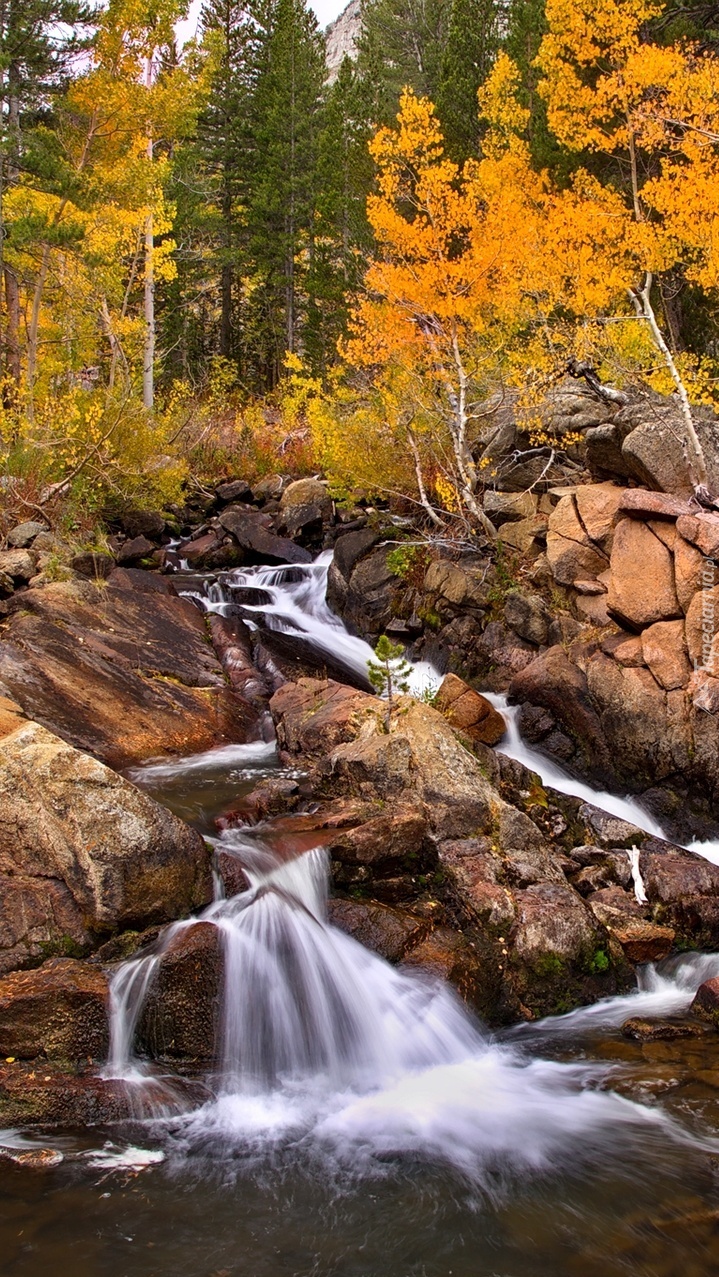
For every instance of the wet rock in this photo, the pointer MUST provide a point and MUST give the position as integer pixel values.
(664, 651)
(643, 941)
(233, 490)
(180, 1018)
(233, 877)
(706, 1001)
(610, 831)
(211, 551)
(553, 928)
(468, 711)
(92, 564)
(555, 683)
(312, 717)
(134, 550)
(259, 544)
(671, 874)
(23, 534)
(50, 1096)
(118, 678)
(83, 853)
(58, 1010)
(384, 843)
(641, 589)
(365, 597)
(528, 615)
(640, 1030)
(447, 955)
(390, 932)
(232, 642)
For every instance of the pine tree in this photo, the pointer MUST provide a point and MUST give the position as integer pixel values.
(389, 672)
(342, 238)
(402, 44)
(472, 42)
(281, 205)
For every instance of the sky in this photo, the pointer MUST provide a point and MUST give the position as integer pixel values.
(326, 11)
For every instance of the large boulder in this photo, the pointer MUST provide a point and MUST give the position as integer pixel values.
(117, 678)
(468, 711)
(388, 931)
(642, 588)
(59, 1010)
(571, 552)
(252, 533)
(83, 853)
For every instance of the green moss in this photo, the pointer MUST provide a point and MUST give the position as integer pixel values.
(549, 966)
(600, 962)
(65, 947)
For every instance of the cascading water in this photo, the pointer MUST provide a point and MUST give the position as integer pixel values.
(325, 1043)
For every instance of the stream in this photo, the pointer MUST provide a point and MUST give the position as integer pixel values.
(361, 1123)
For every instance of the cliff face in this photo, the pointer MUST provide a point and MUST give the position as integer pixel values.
(342, 35)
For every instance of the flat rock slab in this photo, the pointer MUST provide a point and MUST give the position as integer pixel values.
(59, 1010)
(118, 674)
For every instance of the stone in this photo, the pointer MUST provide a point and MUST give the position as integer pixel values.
(474, 873)
(139, 580)
(641, 589)
(556, 684)
(643, 941)
(58, 1010)
(625, 648)
(261, 545)
(233, 490)
(350, 548)
(181, 1013)
(597, 505)
(446, 955)
(528, 535)
(604, 451)
(528, 615)
(365, 597)
(446, 580)
(50, 1096)
(662, 1030)
(640, 504)
(671, 875)
(664, 651)
(142, 523)
(552, 923)
(210, 551)
(269, 488)
(656, 447)
(93, 564)
(307, 492)
(232, 642)
(702, 531)
(304, 522)
(11, 716)
(468, 711)
(19, 565)
(83, 853)
(704, 692)
(509, 507)
(134, 550)
(388, 931)
(692, 572)
(23, 534)
(702, 631)
(118, 678)
(609, 830)
(706, 1001)
(7, 585)
(570, 551)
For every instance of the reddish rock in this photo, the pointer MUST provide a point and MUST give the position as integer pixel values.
(116, 677)
(58, 1010)
(181, 1014)
(570, 551)
(469, 712)
(11, 716)
(474, 872)
(387, 931)
(641, 589)
(552, 922)
(671, 875)
(640, 504)
(662, 1030)
(232, 642)
(704, 692)
(210, 551)
(702, 631)
(692, 572)
(312, 716)
(625, 648)
(50, 1096)
(642, 941)
(449, 956)
(132, 551)
(706, 1001)
(702, 530)
(597, 507)
(664, 651)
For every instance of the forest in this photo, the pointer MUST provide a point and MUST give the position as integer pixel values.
(219, 260)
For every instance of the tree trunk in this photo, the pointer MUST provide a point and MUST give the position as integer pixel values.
(148, 361)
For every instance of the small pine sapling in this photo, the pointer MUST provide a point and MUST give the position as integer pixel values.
(389, 672)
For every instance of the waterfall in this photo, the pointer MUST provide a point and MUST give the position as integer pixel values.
(323, 1041)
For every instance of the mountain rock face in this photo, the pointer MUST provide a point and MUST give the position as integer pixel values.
(342, 35)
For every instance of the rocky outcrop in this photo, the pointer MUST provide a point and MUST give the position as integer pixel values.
(57, 1011)
(468, 712)
(116, 677)
(83, 853)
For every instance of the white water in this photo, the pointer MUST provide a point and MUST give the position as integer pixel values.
(329, 1049)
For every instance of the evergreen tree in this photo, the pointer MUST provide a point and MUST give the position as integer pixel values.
(342, 238)
(472, 42)
(281, 206)
(402, 43)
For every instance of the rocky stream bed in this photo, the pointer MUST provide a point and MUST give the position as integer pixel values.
(493, 1047)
